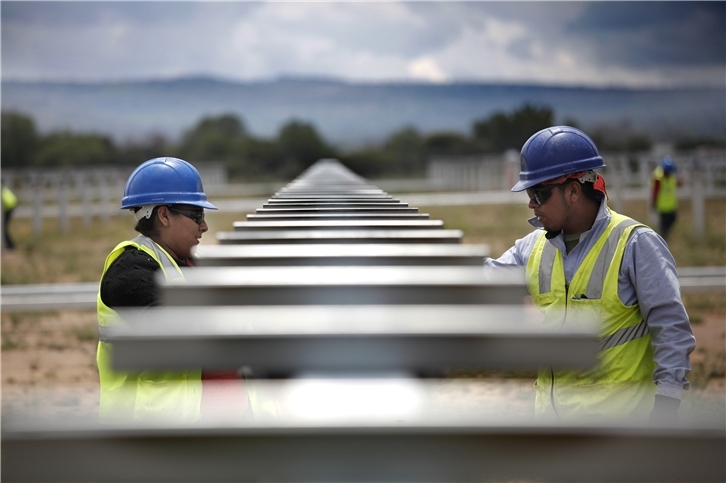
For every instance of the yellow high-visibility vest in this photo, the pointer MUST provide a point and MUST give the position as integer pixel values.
(143, 395)
(9, 199)
(667, 199)
(621, 384)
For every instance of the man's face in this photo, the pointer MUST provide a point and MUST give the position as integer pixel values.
(550, 205)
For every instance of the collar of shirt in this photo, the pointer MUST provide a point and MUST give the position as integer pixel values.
(602, 213)
(587, 240)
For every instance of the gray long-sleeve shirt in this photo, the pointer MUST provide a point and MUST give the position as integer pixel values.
(648, 277)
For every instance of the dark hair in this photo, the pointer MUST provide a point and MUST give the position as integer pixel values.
(588, 189)
(591, 193)
(147, 226)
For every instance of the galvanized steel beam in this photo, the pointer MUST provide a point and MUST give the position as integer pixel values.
(359, 254)
(431, 451)
(419, 339)
(341, 286)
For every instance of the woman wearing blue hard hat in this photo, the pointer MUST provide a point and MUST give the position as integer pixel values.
(584, 261)
(168, 202)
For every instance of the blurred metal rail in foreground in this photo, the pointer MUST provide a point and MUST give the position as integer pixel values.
(424, 450)
(340, 340)
(72, 296)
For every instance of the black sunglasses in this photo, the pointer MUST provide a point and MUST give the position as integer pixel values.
(197, 216)
(540, 194)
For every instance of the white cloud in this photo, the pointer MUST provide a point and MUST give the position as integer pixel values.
(502, 33)
(425, 68)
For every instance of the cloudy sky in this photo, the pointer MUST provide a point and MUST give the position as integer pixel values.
(589, 43)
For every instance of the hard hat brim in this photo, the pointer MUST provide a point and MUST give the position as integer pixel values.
(131, 203)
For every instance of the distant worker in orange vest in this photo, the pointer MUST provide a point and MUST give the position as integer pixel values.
(664, 196)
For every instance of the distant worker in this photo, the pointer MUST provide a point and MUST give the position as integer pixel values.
(10, 201)
(168, 202)
(585, 259)
(664, 197)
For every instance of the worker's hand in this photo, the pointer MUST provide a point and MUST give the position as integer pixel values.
(665, 410)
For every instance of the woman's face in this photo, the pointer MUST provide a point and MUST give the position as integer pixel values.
(179, 233)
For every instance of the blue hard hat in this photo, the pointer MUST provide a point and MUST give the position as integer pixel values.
(162, 181)
(668, 165)
(554, 152)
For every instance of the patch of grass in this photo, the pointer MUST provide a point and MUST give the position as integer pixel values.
(85, 334)
(20, 320)
(500, 225)
(54, 346)
(699, 305)
(15, 319)
(10, 342)
(696, 320)
(55, 257)
(495, 225)
(699, 375)
(78, 255)
(704, 301)
(687, 249)
(709, 367)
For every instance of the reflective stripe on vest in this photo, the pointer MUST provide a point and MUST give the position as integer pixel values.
(171, 269)
(546, 265)
(623, 335)
(605, 259)
(103, 332)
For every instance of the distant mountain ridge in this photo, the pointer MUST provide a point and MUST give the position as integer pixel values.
(349, 113)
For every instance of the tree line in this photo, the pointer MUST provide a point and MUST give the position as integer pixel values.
(225, 138)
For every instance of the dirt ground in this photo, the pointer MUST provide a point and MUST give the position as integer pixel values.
(48, 359)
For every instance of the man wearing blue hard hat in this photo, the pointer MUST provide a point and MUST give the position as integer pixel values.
(584, 260)
(664, 198)
(168, 202)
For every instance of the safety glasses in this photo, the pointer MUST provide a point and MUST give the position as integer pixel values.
(540, 194)
(197, 216)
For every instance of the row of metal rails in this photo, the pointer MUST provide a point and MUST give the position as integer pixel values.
(345, 308)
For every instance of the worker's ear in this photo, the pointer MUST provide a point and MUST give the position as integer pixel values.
(573, 191)
(164, 215)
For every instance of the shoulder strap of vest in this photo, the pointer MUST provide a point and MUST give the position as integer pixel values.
(546, 265)
(619, 224)
(171, 269)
